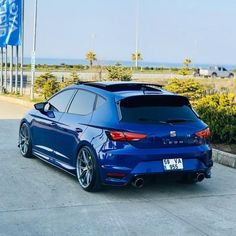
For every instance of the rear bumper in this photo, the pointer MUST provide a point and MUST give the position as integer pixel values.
(137, 163)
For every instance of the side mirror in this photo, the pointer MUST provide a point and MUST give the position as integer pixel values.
(40, 106)
(43, 107)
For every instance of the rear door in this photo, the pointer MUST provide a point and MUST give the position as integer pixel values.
(72, 127)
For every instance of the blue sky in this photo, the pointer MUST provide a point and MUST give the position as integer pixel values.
(169, 30)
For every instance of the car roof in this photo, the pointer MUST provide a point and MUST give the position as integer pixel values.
(122, 89)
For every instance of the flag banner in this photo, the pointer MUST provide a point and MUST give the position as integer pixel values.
(10, 22)
(3, 22)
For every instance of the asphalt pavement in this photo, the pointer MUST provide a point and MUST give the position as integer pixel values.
(38, 199)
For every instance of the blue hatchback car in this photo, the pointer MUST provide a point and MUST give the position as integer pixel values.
(117, 133)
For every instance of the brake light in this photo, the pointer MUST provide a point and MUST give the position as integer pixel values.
(125, 136)
(206, 133)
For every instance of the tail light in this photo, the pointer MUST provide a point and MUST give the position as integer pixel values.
(125, 136)
(206, 133)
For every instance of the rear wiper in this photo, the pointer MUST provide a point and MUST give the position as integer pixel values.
(152, 120)
(169, 121)
(177, 120)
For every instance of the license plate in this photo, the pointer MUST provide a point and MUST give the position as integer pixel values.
(173, 164)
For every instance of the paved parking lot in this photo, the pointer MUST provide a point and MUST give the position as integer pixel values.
(37, 199)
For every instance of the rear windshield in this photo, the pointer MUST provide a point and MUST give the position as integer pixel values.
(156, 109)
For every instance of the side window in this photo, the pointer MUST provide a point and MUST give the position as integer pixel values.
(100, 101)
(61, 100)
(224, 69)
(83, 103)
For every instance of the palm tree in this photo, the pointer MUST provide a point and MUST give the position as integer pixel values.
(187, 62)
(90, 57)
(137, 56)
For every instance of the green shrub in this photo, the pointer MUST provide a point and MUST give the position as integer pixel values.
(186, 87)
(73, 79)
(46, 85)
(119, 73)
(184, 71)
(50, 87)
(219, 112)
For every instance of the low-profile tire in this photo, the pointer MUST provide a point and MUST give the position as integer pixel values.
(189, 179)
(87, 170)
(25, 141)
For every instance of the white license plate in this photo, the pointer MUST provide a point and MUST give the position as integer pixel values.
(173, 164)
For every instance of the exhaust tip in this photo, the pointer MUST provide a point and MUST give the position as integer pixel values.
(138, 182)
(200, 177)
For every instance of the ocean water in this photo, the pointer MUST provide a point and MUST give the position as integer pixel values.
(57, 61)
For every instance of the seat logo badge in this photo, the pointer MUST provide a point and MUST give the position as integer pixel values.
(172, 134)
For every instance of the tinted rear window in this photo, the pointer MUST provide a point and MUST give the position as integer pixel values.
(156, 109)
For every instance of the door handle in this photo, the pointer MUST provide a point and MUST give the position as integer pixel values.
(78, 130)
(53, 124)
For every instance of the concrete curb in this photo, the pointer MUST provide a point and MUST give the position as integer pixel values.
(224, 158)
(19, 101)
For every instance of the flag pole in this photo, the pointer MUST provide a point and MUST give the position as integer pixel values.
(22, 47)
(16, 76)
(137, 33)
(11, 68)
(34, 50)
(5, 86)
